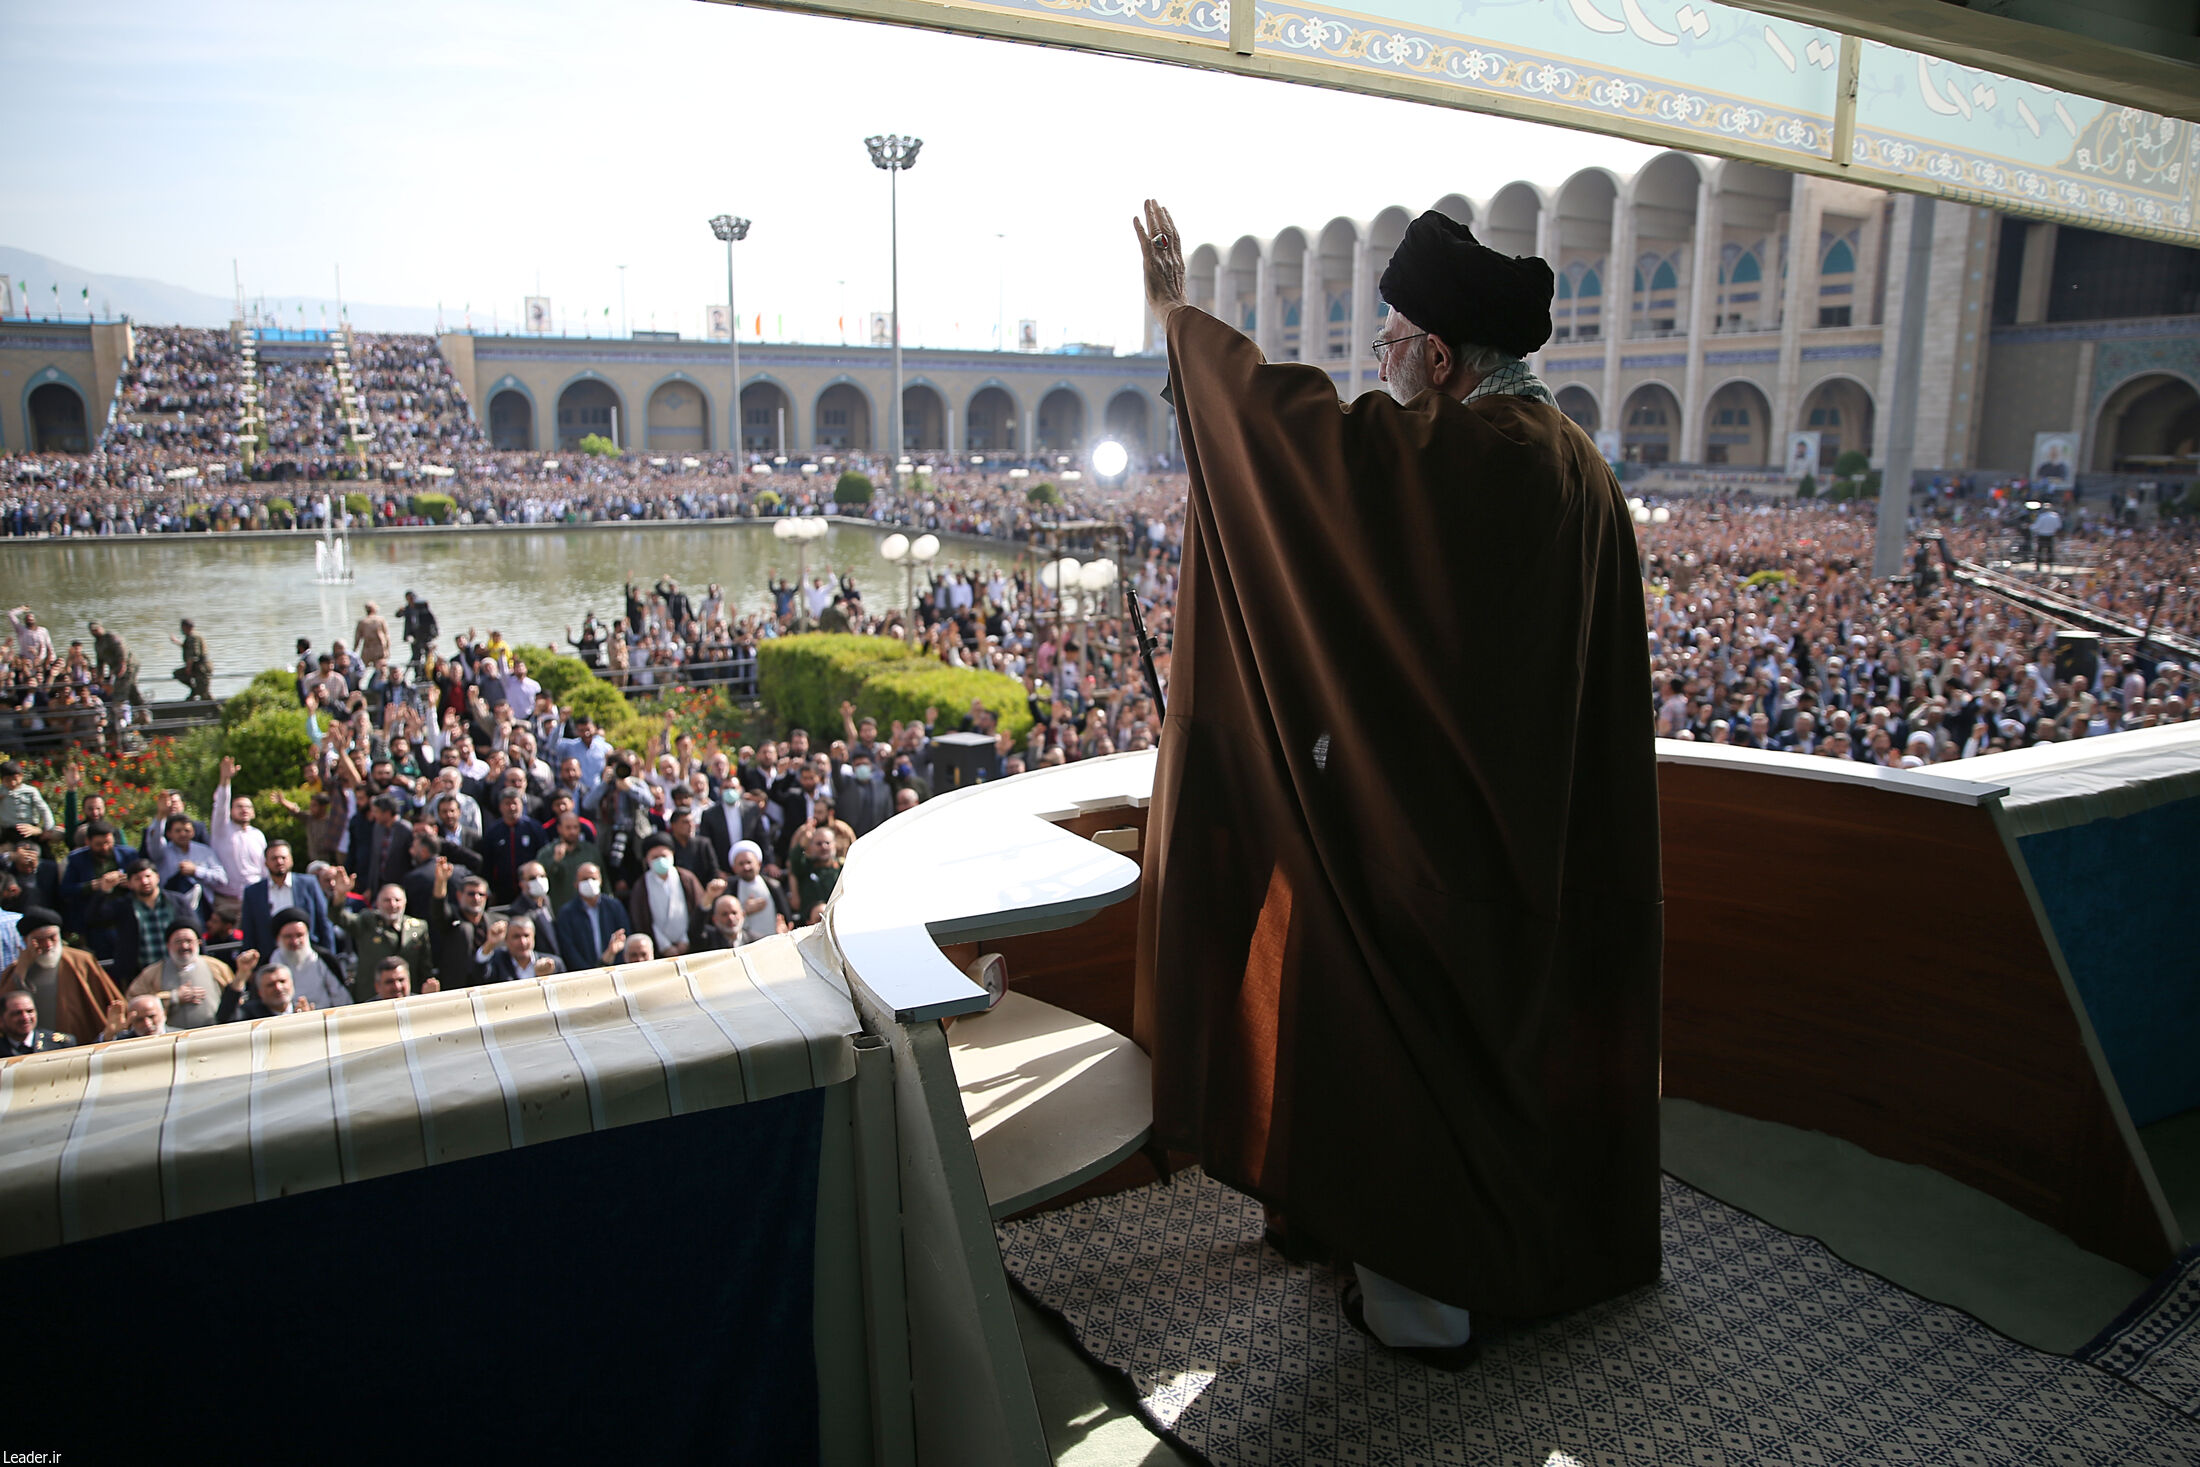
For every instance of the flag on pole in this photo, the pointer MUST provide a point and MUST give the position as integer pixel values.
(759, 325)
(779, 327)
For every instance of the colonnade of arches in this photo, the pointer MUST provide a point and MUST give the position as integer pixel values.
(1738, 429)
(679, 417)
(1684, 244)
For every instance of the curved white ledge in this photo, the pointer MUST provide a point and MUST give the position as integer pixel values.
(1831, 771)
(981, 862)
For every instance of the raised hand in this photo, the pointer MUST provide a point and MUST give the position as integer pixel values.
(228, 771)
(1162, 255)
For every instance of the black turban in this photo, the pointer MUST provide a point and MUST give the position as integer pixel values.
(287, 916)
(1448, 282)
(36, 919)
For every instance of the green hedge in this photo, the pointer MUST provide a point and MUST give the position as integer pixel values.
(273, 689)
(436, 509)
(271, 749)
(804, 680)
(572, 686)
(853, 488)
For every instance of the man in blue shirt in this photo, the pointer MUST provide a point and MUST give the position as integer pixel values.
(590, 748)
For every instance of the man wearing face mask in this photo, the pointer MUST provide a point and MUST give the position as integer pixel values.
(458, 924)
(314, 974)
(382, 932)
(532, 905)
(861, 796)
(511, 842)
(668, 904)
(1436, 1055)
(591, 927)
(72, 992)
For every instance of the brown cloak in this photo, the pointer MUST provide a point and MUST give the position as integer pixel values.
(82, 989)
(1398, 967)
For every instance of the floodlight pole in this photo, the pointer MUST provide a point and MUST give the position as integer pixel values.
(729, 229)
(895, 154)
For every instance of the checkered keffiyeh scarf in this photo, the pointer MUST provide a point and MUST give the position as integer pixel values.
(1515, 379)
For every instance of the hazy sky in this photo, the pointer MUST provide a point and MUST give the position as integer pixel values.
(461, 150)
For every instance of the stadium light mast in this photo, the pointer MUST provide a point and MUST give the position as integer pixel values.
(897, 155)
(729, 229)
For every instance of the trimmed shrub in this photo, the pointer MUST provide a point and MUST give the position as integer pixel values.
(272, 689)
(853, 488)
(271, 748)
(1042, 493)
(436, 509)
(804, 680)
(1853, 463)
(1808, 488)
(769, 499)
(600, 446)
(903, 690)
(280, 505)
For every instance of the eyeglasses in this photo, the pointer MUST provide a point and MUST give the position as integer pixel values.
(1381, 343)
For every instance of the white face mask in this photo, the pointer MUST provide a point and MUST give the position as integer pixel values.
(537, 886)
(589, 889)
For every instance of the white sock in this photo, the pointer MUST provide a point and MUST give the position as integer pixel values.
(1402, 1318)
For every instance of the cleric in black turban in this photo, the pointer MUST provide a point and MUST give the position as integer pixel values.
(1433, 1051)
(1445, 281)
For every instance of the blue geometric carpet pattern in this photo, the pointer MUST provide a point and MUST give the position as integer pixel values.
(2155, 1344)
(1755, 1347)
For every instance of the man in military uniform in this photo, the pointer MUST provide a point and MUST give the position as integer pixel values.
(198, 668)
(19, 1031)
(119, 665)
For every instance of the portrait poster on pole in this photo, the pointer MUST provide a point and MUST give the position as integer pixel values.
(721, 323)
(7, 297)
(2054, 457)
(538, 314)
(1027, 336)
(1802, 454)
(882, 328)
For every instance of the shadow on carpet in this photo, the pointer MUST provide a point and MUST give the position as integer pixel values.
(1756, 1346)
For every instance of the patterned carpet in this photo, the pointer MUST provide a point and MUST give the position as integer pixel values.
(1757, 1347)
(2155, 1344)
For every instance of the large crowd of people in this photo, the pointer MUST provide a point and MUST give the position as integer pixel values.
(464, 828)
(182, 390)
(415, 404)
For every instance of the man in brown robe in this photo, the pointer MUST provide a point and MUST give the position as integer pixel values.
(1399, 961)
(73, 992)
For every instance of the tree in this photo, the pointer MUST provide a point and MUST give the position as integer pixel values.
(853, 488)
(1808, 488)
(1043, 493)
(1853, 464)
(600, 446)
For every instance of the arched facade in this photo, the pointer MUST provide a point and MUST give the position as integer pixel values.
(1738, 426)
(680, 416)
(588, 404)
(767, 418)
(989, 422)
(1580, 404)
(1125, 421)
(1650, 425)
(55, 414)
(923, 418)
(842, 418)
(1840, 411)
(1061, 422)
(1288, 255)
(511, 416)
(55, 411)
(2149, 424)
